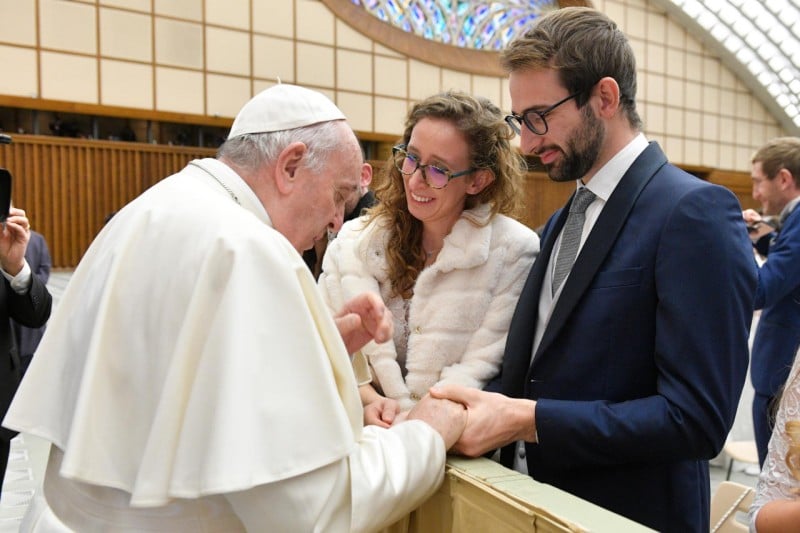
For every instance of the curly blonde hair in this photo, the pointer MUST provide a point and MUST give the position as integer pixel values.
(488, 138)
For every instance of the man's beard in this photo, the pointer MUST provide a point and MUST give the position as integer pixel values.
(582, 150)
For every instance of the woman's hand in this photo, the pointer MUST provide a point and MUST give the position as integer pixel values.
(381, 412)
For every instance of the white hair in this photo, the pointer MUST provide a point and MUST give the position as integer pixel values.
(251, 151)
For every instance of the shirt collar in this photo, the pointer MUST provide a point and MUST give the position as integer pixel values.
(788, 208)
(606, 179)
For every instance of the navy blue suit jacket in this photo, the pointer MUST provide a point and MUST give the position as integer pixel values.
(641, 365)
(778, 295)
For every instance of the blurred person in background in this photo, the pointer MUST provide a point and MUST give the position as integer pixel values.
(776, 185)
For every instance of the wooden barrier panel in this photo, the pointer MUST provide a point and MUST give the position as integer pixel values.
(544, 196)
(739, 182)
(69, 187)
(482, 495)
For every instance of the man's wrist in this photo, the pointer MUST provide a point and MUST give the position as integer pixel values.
(21, 281)
(526, 411)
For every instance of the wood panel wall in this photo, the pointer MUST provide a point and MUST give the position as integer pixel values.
(70, 186)
(544, 196)
(739, 182)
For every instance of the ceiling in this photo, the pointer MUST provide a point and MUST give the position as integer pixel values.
(757, 39)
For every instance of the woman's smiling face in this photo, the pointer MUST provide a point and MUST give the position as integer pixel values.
(437, 142)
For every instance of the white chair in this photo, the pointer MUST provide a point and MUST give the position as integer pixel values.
(743, 451)
(728, 501)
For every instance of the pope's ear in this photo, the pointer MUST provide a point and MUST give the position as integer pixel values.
(289, 161)
(480, 180)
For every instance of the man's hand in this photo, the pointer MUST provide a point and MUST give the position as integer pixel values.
(363, 319)
(14, 240)
(756, 226)
(381, 412)
(494, 420)
(446, 417)
(751, 216)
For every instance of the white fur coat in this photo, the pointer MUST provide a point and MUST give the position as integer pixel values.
(462, 304)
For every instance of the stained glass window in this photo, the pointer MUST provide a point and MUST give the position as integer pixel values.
(468, 24)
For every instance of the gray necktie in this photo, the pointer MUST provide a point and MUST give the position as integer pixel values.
(571, 236)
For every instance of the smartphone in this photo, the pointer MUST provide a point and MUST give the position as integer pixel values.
(5, 193)
(752, 228)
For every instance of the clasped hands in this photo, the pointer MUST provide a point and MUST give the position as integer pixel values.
(471, 421)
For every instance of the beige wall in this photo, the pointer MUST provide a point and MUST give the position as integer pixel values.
(206, 57)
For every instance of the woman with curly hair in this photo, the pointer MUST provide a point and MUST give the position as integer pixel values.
(442, 250)
(776, 507)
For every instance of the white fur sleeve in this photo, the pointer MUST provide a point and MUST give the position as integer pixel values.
(484, 352)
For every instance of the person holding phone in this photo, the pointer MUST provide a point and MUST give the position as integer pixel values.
(776, 185)
(23, 298)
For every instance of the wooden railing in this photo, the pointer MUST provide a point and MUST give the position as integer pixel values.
(481, 495)
(70, 186)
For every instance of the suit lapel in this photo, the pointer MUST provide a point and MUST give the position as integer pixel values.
(602, 237)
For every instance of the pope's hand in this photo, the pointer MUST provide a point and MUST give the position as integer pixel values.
(446, 417)
(364, 318)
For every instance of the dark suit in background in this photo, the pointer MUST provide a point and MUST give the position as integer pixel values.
(778, 333)
(38, 257)
(775, 175)
(31, 309)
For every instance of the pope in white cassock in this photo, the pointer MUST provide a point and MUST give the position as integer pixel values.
(192, 379)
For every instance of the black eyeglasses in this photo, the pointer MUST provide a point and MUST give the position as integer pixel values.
(435, 177)
(533, 118)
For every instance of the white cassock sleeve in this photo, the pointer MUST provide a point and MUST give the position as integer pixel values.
(369, 484)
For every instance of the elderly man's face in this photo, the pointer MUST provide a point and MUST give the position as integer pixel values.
(325, 195)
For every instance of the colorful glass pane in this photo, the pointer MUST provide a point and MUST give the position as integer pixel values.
(480, 25)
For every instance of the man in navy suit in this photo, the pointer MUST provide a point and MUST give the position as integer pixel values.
(776, 185)
(622, 380)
